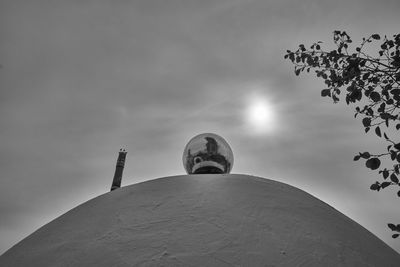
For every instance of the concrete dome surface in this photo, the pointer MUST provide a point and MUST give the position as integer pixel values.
(203, 220)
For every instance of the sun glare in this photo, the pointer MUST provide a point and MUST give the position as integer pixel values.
(260, 116)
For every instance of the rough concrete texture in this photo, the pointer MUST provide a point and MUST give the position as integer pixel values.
(203, 220)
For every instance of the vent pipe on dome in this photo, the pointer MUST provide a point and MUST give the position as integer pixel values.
(119, 168)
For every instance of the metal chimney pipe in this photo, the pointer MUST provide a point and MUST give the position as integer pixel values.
(119, 168)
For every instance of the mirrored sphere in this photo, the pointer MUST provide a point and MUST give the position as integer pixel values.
(207, 153)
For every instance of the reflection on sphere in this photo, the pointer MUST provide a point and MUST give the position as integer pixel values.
(207, 153)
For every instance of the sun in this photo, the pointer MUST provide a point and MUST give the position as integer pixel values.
(260, 115)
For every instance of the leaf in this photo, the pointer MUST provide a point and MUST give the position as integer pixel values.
(291, 56)
(376, 97)
(393, 154)
(365, 155)
(392, 226)
(385, 116)
(365, 76)
(394, 178)
(395, 235)
(356, 158)
(397, 146)
(367, 129)
(373, 163)
(366, 122)
(382, 107)
(398, 193)
(326, 92)
(386, 137)
(375, 186)
(385, 184)
(376, 36)
(378, 131)
(398, 126)
(385, 174)
(395, 91)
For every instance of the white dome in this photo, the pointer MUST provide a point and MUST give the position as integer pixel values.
(203, 220)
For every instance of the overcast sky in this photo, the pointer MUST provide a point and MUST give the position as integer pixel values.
(81, 79)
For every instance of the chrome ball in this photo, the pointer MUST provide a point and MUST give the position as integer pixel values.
(207, 153)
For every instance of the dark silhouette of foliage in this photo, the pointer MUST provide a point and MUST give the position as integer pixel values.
(369, 82)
